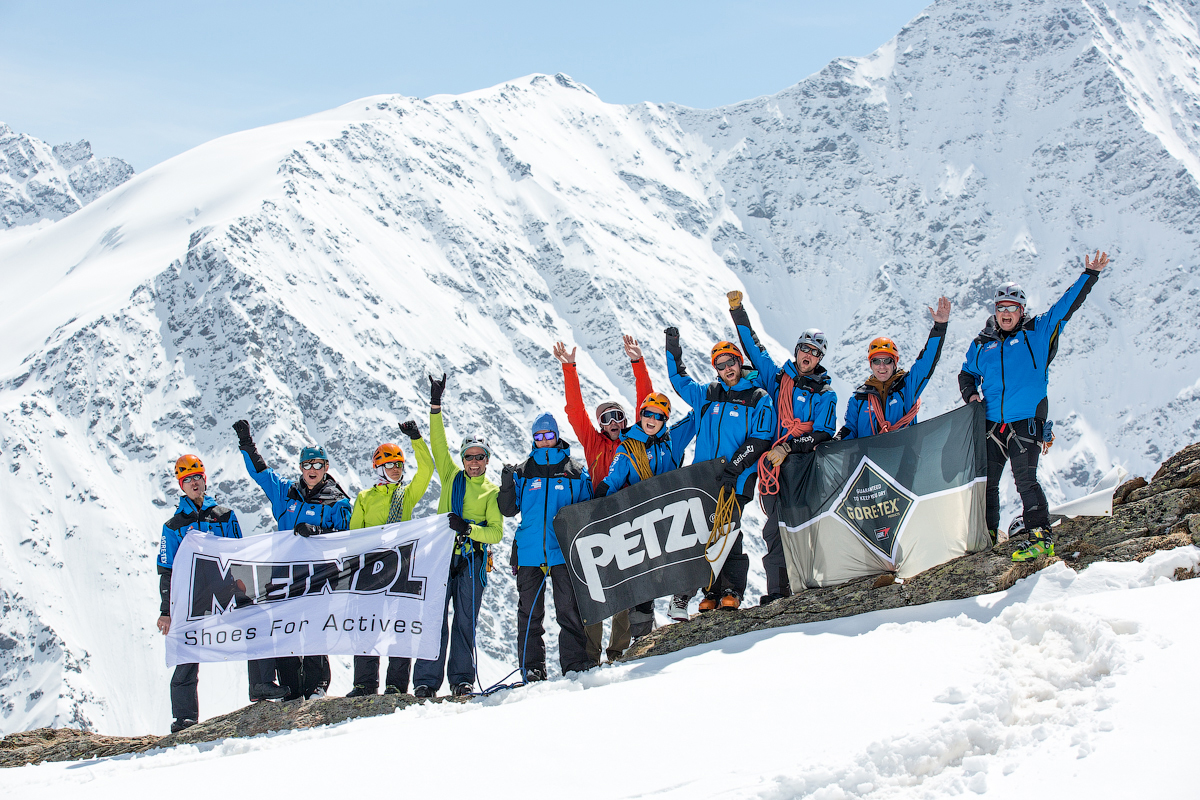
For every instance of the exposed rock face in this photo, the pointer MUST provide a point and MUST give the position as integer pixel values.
(41, 182)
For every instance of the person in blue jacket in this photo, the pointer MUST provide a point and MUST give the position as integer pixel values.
(648, 448)
(1008, 368)
(313, 505)
(536, 489)
(891, 397)
(197, 512)
(800, 388)
(736, 420)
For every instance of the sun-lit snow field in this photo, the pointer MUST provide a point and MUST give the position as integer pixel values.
(1064, 686)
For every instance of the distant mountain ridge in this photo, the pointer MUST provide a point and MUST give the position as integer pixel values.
(40, 182)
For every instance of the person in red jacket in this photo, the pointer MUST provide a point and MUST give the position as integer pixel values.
(599, 447)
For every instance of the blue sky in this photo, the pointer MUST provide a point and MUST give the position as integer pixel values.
(148, 80)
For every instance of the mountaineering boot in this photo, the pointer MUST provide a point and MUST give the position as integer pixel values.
(461, 689)
(535, 674)
(423, 691)
(709, 602)
(393, 690)
(180, 724)
(267, 691)
(1040, 545)
(730, 601)
(677, 610)
(767, 599)
(361, 690)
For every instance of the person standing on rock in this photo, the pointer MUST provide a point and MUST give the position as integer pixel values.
(737, 422)
(199, 512)
(806, 406)
(599, 447)
(1008, 369)
(471, 501)
(384, 503)
(891, 397)
(311, 506)
(536, 489)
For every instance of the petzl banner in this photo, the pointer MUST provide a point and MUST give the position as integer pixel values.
(899, 502)
(372, 591)
(644, 542)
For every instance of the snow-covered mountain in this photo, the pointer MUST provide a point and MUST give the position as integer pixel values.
(308, 275)
(43, 183)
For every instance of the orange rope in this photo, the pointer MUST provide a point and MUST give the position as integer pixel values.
(768, 473)
(880, 424)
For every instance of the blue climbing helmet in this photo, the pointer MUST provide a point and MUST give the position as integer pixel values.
(313, 452)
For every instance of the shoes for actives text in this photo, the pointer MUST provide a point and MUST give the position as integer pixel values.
(461, 689)
(709, 602)
(1040, 545)
(267, 691)
(361, 691)
(395, 690)
(730, 600)
(423, 691)
(535, 674)
(180, 724)
(677, 610)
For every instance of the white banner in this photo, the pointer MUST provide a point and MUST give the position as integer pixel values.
(372, 591)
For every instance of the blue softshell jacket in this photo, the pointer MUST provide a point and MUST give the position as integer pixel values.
(728, 418)
(327, 506)
(662, 453)
(547, 481)
(1014, 368)
(902, 394)
(813, 400)
(209, 518)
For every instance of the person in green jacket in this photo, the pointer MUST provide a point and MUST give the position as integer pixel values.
(470, 500)
(384, 503)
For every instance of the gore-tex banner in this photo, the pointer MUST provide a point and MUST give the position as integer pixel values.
(643, 542)
(899, 502)
(372, 591)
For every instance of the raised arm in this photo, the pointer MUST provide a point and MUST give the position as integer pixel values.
(927, 359)
(641, 376)
(689, 389)
(1061, 312)
(446, 468)
(577, 415)
(751, 346)
(420, 482)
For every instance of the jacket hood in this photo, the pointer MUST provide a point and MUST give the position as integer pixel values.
(550, 455)
(882, 388)
(327, 492)
(186, 506)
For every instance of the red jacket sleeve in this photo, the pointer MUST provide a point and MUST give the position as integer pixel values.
(641, 378)
(577, 414)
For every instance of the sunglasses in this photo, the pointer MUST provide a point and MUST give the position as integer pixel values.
(389, 465)
(312, 464)
(476, 457)
(198, 477)
(545, 436)
(726, 363)
(1008, 308)
(612, 415)
(812, 351)
(653, 415)
(882, 362)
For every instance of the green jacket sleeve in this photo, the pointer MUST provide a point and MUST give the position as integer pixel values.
(358, 515)
(493, 531)
(420, 482)
(446, 468)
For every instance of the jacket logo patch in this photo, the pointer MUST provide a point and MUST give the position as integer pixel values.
(734, 414)
(537, 484)
(558, 486)
(292, 506)
(991, 346)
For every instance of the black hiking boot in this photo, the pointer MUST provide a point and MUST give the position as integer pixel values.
(462, 689)
(267, 691)
(392, 689)
(423, 691)
(363, 691)
(180, 724)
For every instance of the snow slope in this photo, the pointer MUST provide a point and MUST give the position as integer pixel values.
(1065, 685)
(307, 276)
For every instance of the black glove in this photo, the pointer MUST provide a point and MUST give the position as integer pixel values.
(728, 480)
(409, 429)
(507, 474)
(804, 443)
(672, 332)
(458, 524)
(305, 529)
(242, 429)
(435, 390)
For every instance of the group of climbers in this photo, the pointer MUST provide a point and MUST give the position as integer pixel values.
(753, 415)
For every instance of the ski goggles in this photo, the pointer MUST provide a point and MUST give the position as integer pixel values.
(882, 361)
(612, 415)
(314, 464)
(653, 415)
(475, 457)
(388, 465)
(726, 363)
(1008, 308)
(808, 348)
(545, 436)
(197, 476)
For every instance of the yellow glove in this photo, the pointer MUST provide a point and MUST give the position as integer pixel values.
(735, 299)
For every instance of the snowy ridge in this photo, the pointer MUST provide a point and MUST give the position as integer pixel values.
(307, 275)
(40, 183)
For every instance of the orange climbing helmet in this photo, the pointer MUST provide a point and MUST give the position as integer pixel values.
(386, 453)
(883, 346)
(656, 401)
(726, 349)
(186, 465)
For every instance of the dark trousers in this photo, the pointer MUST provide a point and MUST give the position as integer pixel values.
(185, 694)
(465, 588)
(532, 584)
(1023, 447)
(303, 675)
(737, 564)
(774, 563)
(366, 672)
